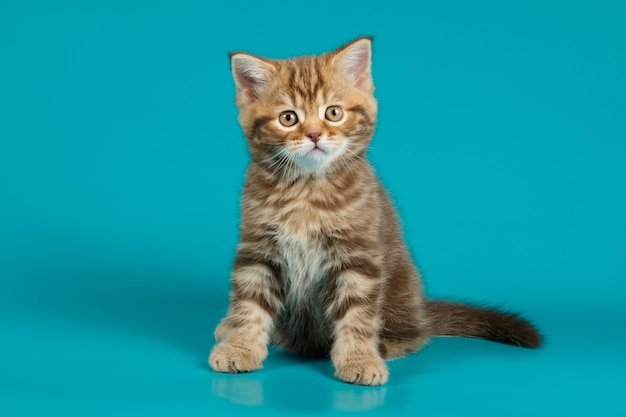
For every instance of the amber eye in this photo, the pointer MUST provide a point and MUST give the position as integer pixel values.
(334, 113)
(288, 118)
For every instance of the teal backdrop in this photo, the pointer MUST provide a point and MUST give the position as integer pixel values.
(502, 138)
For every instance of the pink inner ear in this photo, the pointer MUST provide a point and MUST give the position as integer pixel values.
(249, 85)
(250, 94)
(247, 82)
(356, 61)
(250, 75)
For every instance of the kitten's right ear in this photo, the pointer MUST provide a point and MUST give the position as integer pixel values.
(251, 76)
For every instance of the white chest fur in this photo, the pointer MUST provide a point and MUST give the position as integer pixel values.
(303, 263)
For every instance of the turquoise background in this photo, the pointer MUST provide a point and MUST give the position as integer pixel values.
(502, 139)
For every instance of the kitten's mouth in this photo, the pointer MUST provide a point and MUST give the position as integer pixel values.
(316, 150)
(317, 154)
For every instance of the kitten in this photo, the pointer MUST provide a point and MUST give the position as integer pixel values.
(322, 268)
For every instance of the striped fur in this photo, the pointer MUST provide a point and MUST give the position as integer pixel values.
(321, 268)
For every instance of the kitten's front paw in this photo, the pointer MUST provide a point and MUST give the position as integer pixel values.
(363, 372)
(232, 359)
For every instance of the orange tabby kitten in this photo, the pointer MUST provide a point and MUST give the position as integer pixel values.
(322, 268)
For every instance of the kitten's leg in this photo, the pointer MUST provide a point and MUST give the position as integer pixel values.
(406, 327)
(355, 311)
(243, 335)
(223, 329)
(394, 348)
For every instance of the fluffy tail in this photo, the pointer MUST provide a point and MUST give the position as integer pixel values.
(457, 319)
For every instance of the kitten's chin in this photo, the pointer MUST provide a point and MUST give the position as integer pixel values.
(314, 161)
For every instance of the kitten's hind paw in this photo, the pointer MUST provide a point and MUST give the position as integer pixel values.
(363, 372)
(233, 359)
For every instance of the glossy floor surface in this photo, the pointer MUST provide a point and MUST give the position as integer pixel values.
(114, 348)
(501, 136)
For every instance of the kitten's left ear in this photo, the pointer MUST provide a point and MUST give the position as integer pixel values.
(355, 60)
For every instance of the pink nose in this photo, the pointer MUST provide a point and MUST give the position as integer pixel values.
(314, 136)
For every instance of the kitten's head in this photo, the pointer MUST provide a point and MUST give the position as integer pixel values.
(307, 115)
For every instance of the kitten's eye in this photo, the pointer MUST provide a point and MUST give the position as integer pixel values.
(288, 118)
(334, 113)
